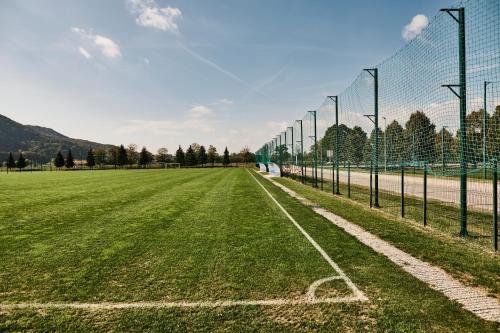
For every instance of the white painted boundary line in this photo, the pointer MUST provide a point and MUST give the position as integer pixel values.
(308, 298)
(335, 267)
(475, 301)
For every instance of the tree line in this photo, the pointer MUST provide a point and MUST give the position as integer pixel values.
(418, 141)
(121, 156)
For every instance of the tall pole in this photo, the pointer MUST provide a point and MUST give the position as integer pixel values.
(335, 99)
(315, 152)
(302, 150)
(462, 95)
(374, 73)
(485, 115)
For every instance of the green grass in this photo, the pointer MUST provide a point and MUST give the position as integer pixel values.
(471, 265)
(442, 216)
(199, 234)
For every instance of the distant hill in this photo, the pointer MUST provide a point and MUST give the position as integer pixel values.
(39, 143)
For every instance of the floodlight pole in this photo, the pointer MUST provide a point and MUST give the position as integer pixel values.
(301, 150)
(462, 95)
(374, 73)
(485, 115)
(335, 99)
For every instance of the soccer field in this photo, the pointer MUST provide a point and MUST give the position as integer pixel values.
(196, 249)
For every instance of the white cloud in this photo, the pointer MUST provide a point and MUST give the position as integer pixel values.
(195, 120)
(107, 46)
(84, 52)
(225, 101)
(149, 14)
(199, 111)
(414, 28)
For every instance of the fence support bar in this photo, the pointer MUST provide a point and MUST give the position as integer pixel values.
(495, 206)
(425, 194)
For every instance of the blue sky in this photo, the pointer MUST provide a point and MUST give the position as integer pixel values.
(163, 73)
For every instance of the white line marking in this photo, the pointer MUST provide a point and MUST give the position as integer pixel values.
(475, 301)
(335, 267)
(308, 298)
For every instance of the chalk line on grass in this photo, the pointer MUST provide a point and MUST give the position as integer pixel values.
(308, 298)
(358, 293)
(474, 300)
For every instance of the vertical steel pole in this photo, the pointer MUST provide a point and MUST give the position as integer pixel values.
(349, 179)
(302, 152)
(495, 206)
(425, 194)
(463, 127)
(402, 191)
(462, 95)
(337, 143)
(375, 71)
(285, 147)
(293, 144)
(371, 181)
(321, 161)
(485, 115)
(315, 153)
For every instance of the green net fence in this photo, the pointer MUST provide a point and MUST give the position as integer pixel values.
(427, 146)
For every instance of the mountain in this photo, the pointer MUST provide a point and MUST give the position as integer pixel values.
(39, 143)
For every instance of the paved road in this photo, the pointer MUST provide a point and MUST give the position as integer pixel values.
(479, 194)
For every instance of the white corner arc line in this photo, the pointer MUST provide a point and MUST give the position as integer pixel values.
(308, 298)
(474, 300)
(335, 267)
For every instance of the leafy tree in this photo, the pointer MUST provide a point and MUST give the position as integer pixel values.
(113, 153)
(212, 154)
(122, 156)
(370, 144)
(420, 135)
(202, 156)
(59, 161)
(70, 162)
(132, 154)
(226, 160)
(445, 149)
(145, 157)
(10, 162)
(247, 156)
(191, 157)
(179, 156)
(21, 161)
(100, 156)
(162, 155)
(328, 142)
(355, 141)
(196, 148)
(90, 158)
(395, 143)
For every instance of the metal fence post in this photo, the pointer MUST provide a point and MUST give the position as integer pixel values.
(371, 182)
(425, 194)
(495, 206)
(349, 179)
(402, 191)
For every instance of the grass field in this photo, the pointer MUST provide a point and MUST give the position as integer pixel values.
(187, 236)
